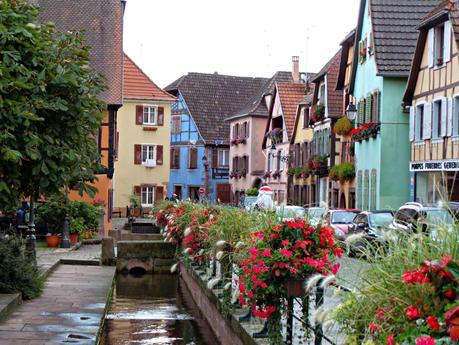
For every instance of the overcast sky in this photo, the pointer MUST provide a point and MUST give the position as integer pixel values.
(239, 37)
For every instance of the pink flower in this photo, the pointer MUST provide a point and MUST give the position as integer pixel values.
(253, 251)
(286, 253)
(390, 340)
(412, 312)
(380, 313)
(433, 323)
(425, 341)
(373, 327)
(285, 242)
(266, 252)
(258, 234)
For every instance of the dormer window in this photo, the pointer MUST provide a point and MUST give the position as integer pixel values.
(439, 45)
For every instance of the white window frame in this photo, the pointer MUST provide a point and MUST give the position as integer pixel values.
(435, 124)
(151, 111)
(224, 153)
(150, 152)
(149, 193)
(418, 124)
(455, 127)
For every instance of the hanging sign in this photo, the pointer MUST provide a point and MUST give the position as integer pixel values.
(450, 165)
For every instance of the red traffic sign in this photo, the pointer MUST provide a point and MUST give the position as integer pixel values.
(202, 191)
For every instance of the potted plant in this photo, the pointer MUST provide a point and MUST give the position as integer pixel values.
(251, 192)
(276, 174)
(334, 173)
(275, 135)
(52, 213)
(267, 174)
(305, 172)
(319, 112)
(346, 171)
(343, 126)
(76, 229)
(243, 173)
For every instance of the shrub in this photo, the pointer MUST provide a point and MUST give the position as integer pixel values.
(17, 272)
(88, 212)
(52, 214)
(347, 171)
(343, 126)
(251, 192)
(334, 173)
(77, 226)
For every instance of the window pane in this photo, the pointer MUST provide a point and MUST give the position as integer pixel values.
(144, 153)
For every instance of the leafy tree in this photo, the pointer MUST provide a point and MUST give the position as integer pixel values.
(49, 107)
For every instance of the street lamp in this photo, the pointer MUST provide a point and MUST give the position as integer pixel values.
(205, 162)
(351, 111)
(65, 242)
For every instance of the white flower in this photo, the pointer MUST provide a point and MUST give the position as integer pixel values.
(211, 217)
(219, 255)
(187, 232)
(235, 296)
(227, 286)
(201, 252)
(212, 283)
(313, 281)
(239, 245)
(174, 268)
(187, 250)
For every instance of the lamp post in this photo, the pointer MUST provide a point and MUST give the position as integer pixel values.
(206, 175)
(31, 240)
(65, 243)
(351, 111)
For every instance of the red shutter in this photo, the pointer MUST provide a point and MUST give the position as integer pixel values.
(214, 158)
(193, 157)
(159, 155)
(139, 115)
(159, 194)
(160, 116)
(137, 154)
(137, 190)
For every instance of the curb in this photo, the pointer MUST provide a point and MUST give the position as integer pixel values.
(14, 300)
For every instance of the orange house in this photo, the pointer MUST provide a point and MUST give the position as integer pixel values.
(102, 23)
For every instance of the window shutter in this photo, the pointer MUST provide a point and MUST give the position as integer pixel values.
(159, 154)
(159, 194)
(447, 38)
(412, 123)
(137, 154)
(430, 41)
(373, 190)
(215, 158)
(427, 125)
(444, 113)
(368, 108)
(365, 190)
(137, 190)
(375, 111)
(172, 155)
(160, 116)
(177, 157)
(449, 127)
(139, 115)
(248, 129)
(359, 190)
(193, 158)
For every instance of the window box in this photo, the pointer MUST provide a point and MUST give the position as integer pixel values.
(267, 175)
(276, 174)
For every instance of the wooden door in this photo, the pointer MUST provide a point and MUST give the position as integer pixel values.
(223, 192)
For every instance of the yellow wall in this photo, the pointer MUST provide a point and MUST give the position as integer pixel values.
(128, 174)
(303, 134)
(433, 83)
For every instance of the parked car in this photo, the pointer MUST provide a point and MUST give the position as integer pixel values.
(315, 214)
(414, 216)
(339, 220)
(290, 212)
(372, 226)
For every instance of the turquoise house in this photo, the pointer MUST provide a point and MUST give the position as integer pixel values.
(385, 42)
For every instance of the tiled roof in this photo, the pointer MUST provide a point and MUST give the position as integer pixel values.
(304, 103)
(290, 94)
(334, 97)
(137, 85)
(444, 10)
(102, 21)
(211, 98)
(394, 30)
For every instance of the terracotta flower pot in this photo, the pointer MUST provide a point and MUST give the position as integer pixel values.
(454, 329)
(53, 241)
(74, 238)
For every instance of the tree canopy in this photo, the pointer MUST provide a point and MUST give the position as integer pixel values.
(50, 112)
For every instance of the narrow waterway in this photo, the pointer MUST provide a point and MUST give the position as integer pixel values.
(154, 309)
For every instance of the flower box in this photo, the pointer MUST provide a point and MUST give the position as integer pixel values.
(294, 288)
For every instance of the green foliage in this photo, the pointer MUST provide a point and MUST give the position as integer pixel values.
(134, 200)
(251, 192)
(77, 226)
(17, 273)
(342, 172)
(334, 173)
(49, 108)
(88, 212)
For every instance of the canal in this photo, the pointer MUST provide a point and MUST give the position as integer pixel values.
(154, 309)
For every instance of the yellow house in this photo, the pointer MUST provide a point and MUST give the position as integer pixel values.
(143, 160)
(432, 93)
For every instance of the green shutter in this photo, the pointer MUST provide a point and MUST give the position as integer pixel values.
(373, 190)
(359, 113)
(365, 190)
(359, 190)
(368, 108)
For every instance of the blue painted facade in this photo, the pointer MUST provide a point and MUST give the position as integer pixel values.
(189, 136)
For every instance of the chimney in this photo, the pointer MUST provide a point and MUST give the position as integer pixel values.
(296, 68)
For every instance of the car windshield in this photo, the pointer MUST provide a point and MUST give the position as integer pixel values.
(439, 217)
(291, 212)
(342, 217)
(381, 219)
(406, 216)
(315, 212)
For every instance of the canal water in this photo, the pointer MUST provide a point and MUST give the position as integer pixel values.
(154, 309)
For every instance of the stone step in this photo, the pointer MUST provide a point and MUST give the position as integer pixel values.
(8, 302)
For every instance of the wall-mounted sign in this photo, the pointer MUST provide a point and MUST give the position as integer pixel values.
(452, 165)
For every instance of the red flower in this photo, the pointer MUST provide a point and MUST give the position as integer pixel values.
(415, 276)
(425, 341)
(267, 252)
(450, 294)
(373, 327)
(412, 312)
(433, 323)
(390, 340)
(380, 313)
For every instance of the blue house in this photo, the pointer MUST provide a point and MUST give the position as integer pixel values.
(200, 135)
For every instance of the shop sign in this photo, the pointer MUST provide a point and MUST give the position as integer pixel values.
(451, 165)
